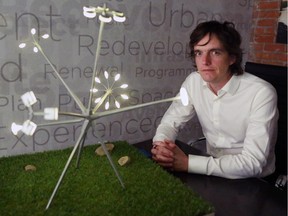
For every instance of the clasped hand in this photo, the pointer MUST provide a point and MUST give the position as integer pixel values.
(168, 155)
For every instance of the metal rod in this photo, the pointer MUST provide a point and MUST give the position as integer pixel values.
(112, 164)
(83, 131)
(80, 150)
(95, 63)
(79, 115)
(60, 122)
(77, 100)
(105, 113)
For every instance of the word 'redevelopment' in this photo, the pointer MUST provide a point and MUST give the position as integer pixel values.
(130, 46)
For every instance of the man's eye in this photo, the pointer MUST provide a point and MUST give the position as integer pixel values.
(216, 52)
(197, 53)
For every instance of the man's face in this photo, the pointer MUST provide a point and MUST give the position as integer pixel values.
(212, 60)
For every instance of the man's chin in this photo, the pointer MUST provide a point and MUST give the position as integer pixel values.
(206, 77)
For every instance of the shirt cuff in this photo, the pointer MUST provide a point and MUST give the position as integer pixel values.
(197, 164)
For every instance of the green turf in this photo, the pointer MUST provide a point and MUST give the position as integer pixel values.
(94, 189)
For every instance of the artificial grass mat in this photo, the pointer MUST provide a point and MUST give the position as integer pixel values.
(93, 188)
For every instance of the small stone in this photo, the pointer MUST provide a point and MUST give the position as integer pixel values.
(100, 151)
(124, 161)
(30, 167)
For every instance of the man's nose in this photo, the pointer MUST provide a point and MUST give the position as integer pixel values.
(206, 58)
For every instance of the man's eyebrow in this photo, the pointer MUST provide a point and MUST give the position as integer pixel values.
(197, 47)
(217, 49)
(209, 50)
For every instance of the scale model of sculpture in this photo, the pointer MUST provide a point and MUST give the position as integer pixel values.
(90, 113)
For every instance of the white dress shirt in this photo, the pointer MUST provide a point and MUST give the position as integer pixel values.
(239, 123)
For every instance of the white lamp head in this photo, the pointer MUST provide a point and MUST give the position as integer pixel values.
(97, 80)
(117, 104)
(105, 19)
(33, 31)
(28, 99)
(97, 100)
(22, 45)
(89, 12)
(184, 96)
(124, 96)
(105, 14)
(35, 49)
(45, 36)
(29, 127)
(124, 86)
(15, 128)
(107, 105)
(117, 77)
(118, 18)
(106, 74)
(51, 113)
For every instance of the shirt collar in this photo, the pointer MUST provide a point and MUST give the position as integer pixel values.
(230, 87)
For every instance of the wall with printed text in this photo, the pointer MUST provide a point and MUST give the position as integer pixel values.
(150, 51)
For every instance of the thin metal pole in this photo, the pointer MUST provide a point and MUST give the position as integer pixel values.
(80, 149)
(95, 63)
(112, 164)
(83, 131)
(74, 96)
(110, 112)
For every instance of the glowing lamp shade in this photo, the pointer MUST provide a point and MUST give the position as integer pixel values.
(97, 80)
(184, 96)
(94, 90)
(28, 99)
(124, 86)
(106, 74)
(45, 36)
(33, 31)
(15, 128)
(89, 12)
(35, 49)
(29, 127)
(119, 18)
(117, 77)
(51, 113)
(105, 19)
(22, 45)
(124, 96)
(97, 100)
(117, 104)
(107, 105)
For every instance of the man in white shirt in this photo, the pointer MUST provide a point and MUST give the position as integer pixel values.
(237, 111)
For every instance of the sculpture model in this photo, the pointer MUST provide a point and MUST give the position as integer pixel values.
(90, 113)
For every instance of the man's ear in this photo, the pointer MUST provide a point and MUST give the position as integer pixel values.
(232, 59)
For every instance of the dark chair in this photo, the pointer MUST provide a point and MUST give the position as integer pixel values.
(277, 76)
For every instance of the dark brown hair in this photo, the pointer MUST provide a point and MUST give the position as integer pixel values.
(228, 36)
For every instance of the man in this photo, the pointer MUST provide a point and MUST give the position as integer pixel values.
(237, 111)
